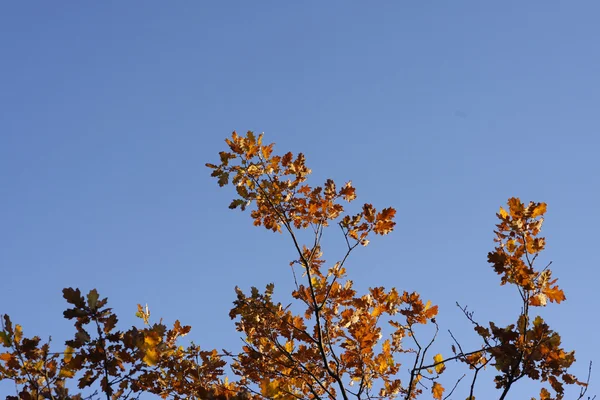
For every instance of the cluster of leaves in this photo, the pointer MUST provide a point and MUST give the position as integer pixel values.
(333, 342)
(125, 363)
(528, 348)
(343, 340)
(339, 341)
(276, 185)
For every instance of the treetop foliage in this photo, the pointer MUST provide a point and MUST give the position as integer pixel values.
(340, 344)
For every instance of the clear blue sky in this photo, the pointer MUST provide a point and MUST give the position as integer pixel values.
(108, 112)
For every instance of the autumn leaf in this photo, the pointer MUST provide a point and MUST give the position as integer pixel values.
(503, 213)
(266, 150)
(430, 311)
(223, 178)
(269, 389)
(511, 246)
(544, 394)
(151, 356)
(109, 323)
(538, 300)
(437, 391)
(68, 355)
(289, 346)
(384, 223)
(515, 206)
(18, 333)
(378, 310)
(440, 367)
(152, 339)
(66, 373)
(555, 295)
(73, 296)
(6, 342)
(143, 314)
(92, 299)
(539, 209)
(328, 336)
(348, 193)
(369, 213)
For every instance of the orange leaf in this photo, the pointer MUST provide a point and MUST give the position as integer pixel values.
(544, 394)
(555, 295)
(369, 213)
(539, 209)
(515, 207)
(348, 192)
(437, 390)
(539, 300)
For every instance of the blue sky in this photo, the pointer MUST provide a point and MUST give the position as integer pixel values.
(108, 113)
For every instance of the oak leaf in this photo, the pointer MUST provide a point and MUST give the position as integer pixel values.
(92, 299)
(539, 209)
(151, 356)
(440, 367)
(538, 300)
(437, 391)
(555, 295)
(503, 214)
(68, 355)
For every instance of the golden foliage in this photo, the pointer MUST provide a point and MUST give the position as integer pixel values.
(333, 343)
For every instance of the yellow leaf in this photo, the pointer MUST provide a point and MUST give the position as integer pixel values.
(439, 368)
(510, 245)
(18, 333)
(503, 213)
(386, 347)
(378, 310)
(152, 339)
(66, 373)
(538, 210)
(437, 390)
(269, 389)
(289, 346)
(151, 357)
(68, 354)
